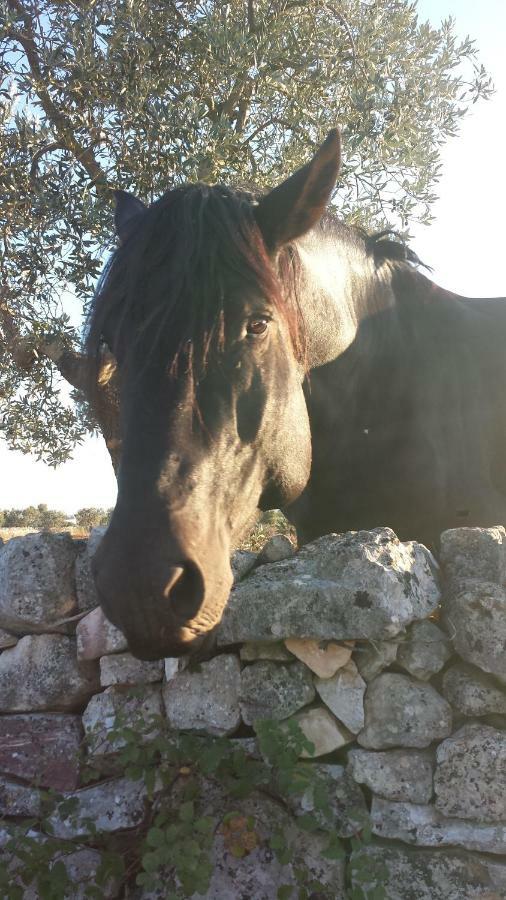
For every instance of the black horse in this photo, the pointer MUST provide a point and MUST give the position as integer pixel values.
(272, 357)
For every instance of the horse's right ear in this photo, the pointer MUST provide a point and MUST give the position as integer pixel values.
(296, 205)
(127, 209)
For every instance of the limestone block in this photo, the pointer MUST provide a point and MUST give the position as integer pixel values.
(426, 827)
(413, 874)
(18, 799)
(206, 699)
(97, 637)
(426, 650)
(324, 658)
(476, 620)
(472, 692)
(373, 658)
(123, 668)
(41, 747)
(344, 696)
(470, 778)
(253, 650)
(321, 728)
(113, 805)
(363, 584)
(402, 712)
(241, 563)
(271, 690)
(116, 707)
(404, 775)
(7, 639)
(87, 596)
(42, 673)
(347, 810)
(36, 582)
(475, 554)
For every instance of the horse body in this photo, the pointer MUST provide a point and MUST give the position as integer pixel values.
(272, 357)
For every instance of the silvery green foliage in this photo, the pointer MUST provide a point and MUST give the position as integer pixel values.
(147, 94)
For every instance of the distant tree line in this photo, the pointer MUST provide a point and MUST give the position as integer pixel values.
(42, 517)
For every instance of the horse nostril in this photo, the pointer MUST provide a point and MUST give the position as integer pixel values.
(185, 590)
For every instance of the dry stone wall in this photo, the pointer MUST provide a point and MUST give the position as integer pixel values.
(394, 669)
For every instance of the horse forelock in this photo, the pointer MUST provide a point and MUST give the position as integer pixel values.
(168, 283)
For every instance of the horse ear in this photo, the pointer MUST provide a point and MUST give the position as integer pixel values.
(127, 209)
(297, 204)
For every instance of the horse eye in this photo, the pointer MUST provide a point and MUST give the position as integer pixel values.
(257, 326)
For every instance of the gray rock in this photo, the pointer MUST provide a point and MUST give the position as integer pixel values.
(254, 650)
(113, 709)
(358, 585)
(7, 639)
(426, 650)
(344, 696)
(113, 805)
(82, 867)
(476, 620)
(42, 673)
(404, 775)
(97, 637)
(401, 712)
(271, 690)
(87, 596)
(472, 692)
(470, 778)
(241, 563)
(426, 827)
(278, 547)
(347, 812)
(372, 658)
(36, 583)
(413, 874)
(41, 748)
(206, 699)
(123, 668)
(18, 799)
(474, 554)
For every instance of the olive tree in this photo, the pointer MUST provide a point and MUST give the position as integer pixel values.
(145, 94)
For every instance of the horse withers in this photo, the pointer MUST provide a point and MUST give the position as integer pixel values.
(272, 357)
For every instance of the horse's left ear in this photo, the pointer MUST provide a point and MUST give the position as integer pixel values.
(297, 204)
(127, 209)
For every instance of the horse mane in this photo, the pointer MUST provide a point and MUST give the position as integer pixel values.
(167, 284)
(384, 249)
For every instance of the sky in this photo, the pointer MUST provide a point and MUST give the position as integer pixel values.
(464, 246)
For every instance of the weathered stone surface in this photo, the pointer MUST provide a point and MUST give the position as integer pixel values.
(36, 582)
(241, 563)
(347, 813)
(112, 806)
(18, 799)
(137, 710)
(42, 673)
(7, 639)
(476, 620)
(254, 650)
(322, 729)
(344, 696)
(207, 699)
(278, 547)
(322, 657)
(401, 712)
(271, 690)
(475, 554)
(404, 775)
(426, 650)
(470, 778)
(82, 867)
(426, 827)
(372, 658)
(358, 585)
(431, 874)
(472, 692)
(123, 668)
(97, 637)
(174, 664)
(87, 596)
(41, 747)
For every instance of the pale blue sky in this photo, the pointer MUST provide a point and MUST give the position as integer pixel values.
(465, 247)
